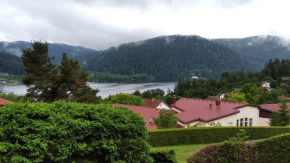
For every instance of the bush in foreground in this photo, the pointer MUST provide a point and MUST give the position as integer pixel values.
(33, 132)
(272, 150)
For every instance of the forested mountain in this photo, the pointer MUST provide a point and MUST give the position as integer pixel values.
(11, 64)
(169, 58)
(54, 49)
(259, 48)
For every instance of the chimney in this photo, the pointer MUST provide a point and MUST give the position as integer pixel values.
(218, 102)
(173, 100)
(210, 105)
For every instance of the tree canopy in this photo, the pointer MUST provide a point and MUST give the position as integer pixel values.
(48, 83)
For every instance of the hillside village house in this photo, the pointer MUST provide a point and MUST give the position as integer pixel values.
(202, 113)
(153, 103)
(199, 112)
(4, 101)
(285, 80)
(265, 85)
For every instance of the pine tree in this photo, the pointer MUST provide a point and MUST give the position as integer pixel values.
(39, 72)
(72, 84)
(47, 83)
(281, 117)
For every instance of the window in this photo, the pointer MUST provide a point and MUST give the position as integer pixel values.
(241, 121)
(246, 121)
(237, 122)
(230, 123)
(251, 122)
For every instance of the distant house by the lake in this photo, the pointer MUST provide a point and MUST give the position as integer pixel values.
(285, 80)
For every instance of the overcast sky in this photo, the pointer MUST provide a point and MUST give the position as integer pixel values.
(101, 24)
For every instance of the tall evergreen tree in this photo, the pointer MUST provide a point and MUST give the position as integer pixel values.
(72, 84)
(39, 72)
(47, 83)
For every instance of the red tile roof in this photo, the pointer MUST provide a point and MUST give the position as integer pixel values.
(199, 109)
(152, 103)
(145, 112)
(4, 101)
(272, 107)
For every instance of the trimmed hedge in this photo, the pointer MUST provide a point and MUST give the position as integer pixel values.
(275, 149)
(208, 135)
(271, 150)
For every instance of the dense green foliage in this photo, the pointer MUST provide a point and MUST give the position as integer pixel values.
(10, 64)
(209, 135)
(169, 58)
(163, 156)
(166, 119)
(275, 149)
(259, 49)
(124, 98)
(48, 83)
(11, 96)
(271, 150)
(108, 77)
(33, 132)
(281, 117)
(249, 82)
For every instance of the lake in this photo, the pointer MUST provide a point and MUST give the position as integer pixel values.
(107, 88)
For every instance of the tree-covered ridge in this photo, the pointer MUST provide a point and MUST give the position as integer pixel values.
(259, 48)
(55, 50)
(10, 64)
(249, 82)
(169, 58)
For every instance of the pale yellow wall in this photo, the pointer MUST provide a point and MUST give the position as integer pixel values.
(264, 122)
(225, 121)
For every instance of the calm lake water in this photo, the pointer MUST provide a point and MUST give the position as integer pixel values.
(107, 88)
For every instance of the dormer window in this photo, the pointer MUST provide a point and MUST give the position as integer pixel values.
(150, 121)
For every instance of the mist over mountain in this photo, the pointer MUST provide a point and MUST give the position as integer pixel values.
(169, 58)
(54, 49)
(259, 48)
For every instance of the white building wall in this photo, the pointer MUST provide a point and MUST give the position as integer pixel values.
(162, 105)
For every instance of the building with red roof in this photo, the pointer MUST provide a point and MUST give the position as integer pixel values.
(146, 112)
(200, 112)
(4, 101)
(154, 103)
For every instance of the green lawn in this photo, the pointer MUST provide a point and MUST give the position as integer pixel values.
(182, 151)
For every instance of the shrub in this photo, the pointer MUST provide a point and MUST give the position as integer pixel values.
(275, 149)
(209, 135)
(163, 156)
(271, 150)
(166, 119)
(228, 152)
(124, 98)
(33, 132)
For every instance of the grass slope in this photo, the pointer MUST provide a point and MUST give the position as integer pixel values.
(183, 151)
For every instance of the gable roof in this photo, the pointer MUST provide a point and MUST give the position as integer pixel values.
(145, 112)
(285, 78)
(272, 107)
(199, 109)
(152, 103)
(4, 101)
